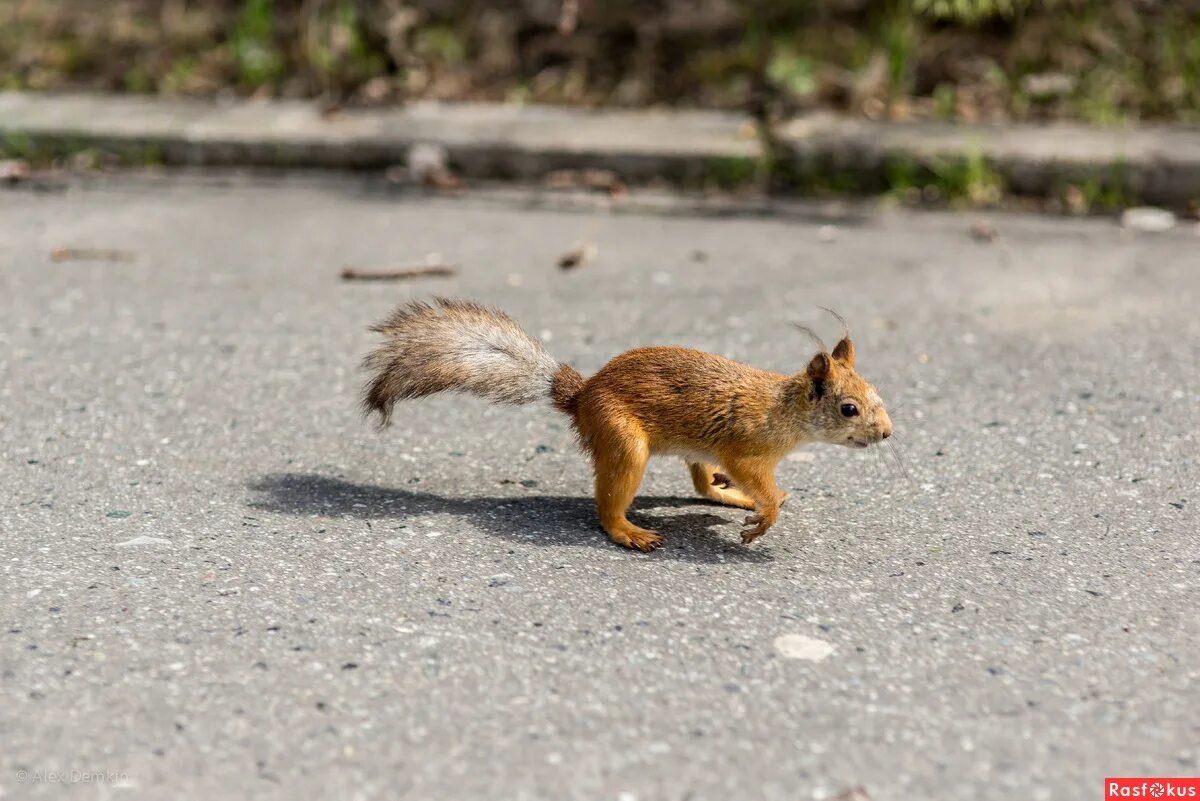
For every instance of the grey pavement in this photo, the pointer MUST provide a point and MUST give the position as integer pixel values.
(218, 582)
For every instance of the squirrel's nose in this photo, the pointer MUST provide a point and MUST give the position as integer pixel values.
(887, 432)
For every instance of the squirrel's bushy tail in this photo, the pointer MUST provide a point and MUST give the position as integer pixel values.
(457, 345)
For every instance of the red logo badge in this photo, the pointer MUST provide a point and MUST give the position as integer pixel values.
(1151, 788)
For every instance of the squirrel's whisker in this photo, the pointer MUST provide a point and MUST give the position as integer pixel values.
(901, 463)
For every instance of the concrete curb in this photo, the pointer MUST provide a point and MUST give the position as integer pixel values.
(482, 141)
(696, 148)
(1153, 164)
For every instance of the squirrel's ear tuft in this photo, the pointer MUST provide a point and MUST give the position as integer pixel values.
(844, 352)
(811, 334)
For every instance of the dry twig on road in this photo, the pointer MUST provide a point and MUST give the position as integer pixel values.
(400, 274)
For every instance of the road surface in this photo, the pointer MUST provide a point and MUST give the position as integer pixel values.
(219, 582)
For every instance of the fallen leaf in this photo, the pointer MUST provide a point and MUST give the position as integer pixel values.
(984, 232)
(568, 17)
(15, 170)
(1075, 200)
(593, 179)
(578, 256)
(442, 180)
(429, 165)
(90, 254)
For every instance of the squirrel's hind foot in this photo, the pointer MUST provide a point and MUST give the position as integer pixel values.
(631, 536)
(718, 487)
(757, 526)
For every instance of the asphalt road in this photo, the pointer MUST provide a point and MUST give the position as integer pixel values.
(217, 582)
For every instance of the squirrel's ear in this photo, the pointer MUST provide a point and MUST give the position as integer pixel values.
(818, 372)
(844, 352)
(818, 368)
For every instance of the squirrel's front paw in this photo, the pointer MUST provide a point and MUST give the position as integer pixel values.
(757, 525)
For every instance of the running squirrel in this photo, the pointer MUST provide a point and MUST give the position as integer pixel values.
(730, 422)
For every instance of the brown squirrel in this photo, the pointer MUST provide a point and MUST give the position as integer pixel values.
(665, 400)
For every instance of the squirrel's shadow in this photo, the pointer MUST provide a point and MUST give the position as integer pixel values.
(541, 519)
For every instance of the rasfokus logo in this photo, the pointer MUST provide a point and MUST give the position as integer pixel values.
(1147, 787)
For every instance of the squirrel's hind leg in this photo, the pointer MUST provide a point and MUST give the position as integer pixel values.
(714, 486)
(620, 457)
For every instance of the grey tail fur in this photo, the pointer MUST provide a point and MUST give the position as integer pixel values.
(460, 346)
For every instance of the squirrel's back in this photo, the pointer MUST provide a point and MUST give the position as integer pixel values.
(682, 397)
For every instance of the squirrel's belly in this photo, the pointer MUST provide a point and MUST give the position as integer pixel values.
(689, 455)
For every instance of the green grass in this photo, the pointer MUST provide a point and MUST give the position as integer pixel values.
(259, 59)
(731, 172)
(898, 38)
(18, 146)
(970, 181)
(791, 72)
(440, 44)
(944, 100)
(969, 12)
(337, 49)
(1107, 190)
(1131, 60)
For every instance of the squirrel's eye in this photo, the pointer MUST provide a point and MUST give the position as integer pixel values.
(849, 410)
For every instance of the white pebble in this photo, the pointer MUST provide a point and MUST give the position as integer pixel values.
(143, 540)
(1148, 219)
(798, 646)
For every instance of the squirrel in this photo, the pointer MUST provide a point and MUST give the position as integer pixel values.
(730, 422)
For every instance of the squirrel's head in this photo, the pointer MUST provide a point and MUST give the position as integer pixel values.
(845, 409)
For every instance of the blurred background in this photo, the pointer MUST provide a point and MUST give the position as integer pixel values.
(1104, 63)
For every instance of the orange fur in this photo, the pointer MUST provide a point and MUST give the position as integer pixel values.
(667, 400)
(708, 408)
